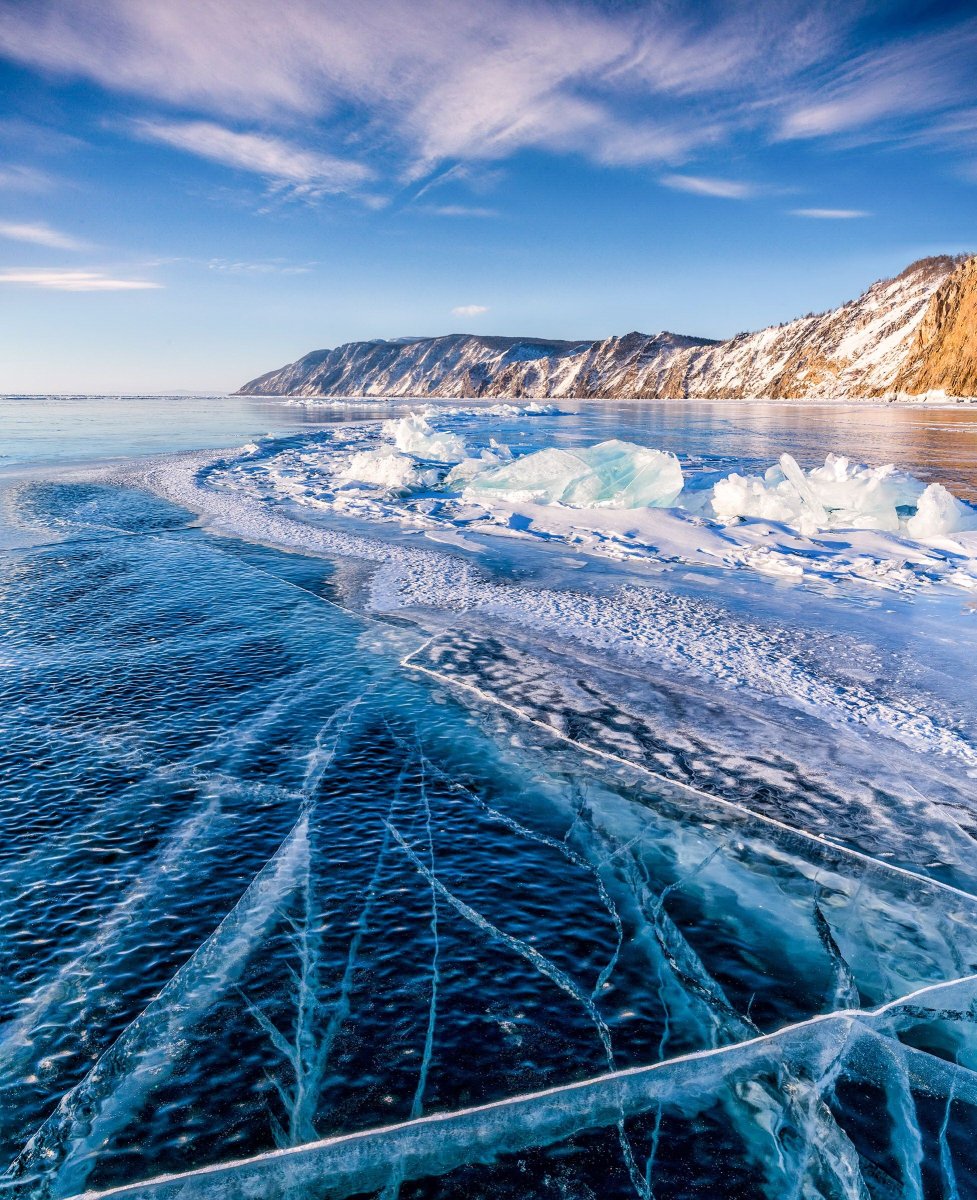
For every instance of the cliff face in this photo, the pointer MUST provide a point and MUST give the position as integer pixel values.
(943, 354)
(913, 333)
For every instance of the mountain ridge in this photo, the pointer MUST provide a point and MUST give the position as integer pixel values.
(913, 333)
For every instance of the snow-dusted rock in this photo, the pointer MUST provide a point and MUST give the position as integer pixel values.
(904, 336)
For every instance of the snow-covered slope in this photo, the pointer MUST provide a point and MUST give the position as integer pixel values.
(456, 365)
(910, 333)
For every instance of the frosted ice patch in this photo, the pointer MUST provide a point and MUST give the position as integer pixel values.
(612, 474)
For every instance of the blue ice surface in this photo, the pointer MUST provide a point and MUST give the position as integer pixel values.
(262, 885)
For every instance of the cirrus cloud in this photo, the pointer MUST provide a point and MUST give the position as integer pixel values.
(398, 89)
(701, 185)
(39, 234)
(273, 158)
(428, 81)
(15, 177)
(830, 214)
(469, 310)
(73, 281)
(458, 210)
(912, 78)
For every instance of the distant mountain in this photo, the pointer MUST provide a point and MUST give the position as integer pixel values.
(914, 333)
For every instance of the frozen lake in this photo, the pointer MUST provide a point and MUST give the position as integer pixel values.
(375, 849)
(937, 443)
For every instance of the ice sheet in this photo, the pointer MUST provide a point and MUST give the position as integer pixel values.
(805, 1148)
(375, 965)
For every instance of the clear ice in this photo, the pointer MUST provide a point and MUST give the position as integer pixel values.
(611, 474)
(298, 902)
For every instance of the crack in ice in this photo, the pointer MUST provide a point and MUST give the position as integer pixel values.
(435, 1144)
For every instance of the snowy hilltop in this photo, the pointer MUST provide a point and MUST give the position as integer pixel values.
(911, 335)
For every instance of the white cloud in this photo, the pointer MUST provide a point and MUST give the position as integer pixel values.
(435, 81)
(418, 84)
(458, 210)
(701, 185)
(38, 234)
(469, 310)
(908, 79)
(271, 157)
(830, 214)
(74, 281)
(275, 267)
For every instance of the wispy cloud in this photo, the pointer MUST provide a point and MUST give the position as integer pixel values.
(923, 75)
(274, 159)
(17, 178)
(830, 214)
(702, 185)
(398, 89)
(74, 281)
(435, 82)
(278, 267)
(38, 234)
(458, 210)
(469, 310)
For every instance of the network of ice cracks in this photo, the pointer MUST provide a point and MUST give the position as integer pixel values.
(678, 981)
(842, 520)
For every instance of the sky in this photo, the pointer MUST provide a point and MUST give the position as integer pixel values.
(193, 192)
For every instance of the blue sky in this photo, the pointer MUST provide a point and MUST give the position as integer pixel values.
(195, 191)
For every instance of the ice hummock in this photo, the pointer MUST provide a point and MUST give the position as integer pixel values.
(841, 494)
(388, 469)
(612, 474)
(877, 525)
(405, 466)
(414, 434)
(940, 514)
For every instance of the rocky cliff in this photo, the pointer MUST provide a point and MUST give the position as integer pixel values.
(943, 354)
(914, 333)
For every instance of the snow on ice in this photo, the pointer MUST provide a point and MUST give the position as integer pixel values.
(841, 520)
